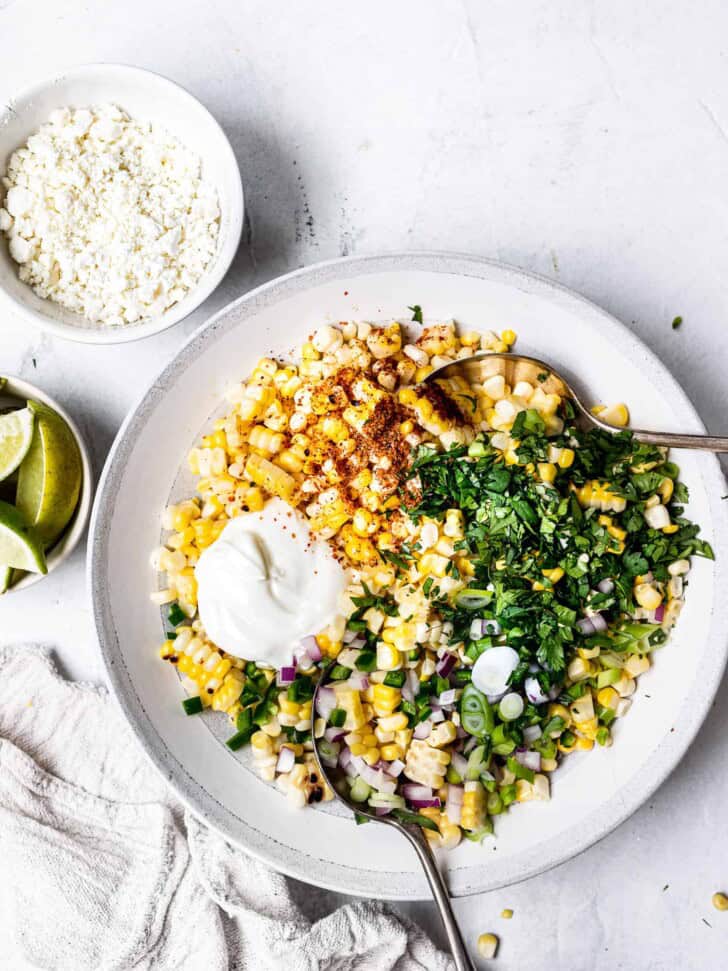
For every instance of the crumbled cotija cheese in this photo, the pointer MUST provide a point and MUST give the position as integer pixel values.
(108, 216)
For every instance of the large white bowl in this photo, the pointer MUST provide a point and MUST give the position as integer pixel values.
(148, 97)
(591, 794)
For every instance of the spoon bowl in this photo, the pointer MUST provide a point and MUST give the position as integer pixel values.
(518, 367)
(411, 830)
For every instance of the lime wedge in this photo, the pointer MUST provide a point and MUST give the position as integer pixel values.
(20, 547)
(16, 434)
(6, 573)
(49, 482)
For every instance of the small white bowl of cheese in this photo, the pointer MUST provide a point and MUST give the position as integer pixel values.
(121, 204)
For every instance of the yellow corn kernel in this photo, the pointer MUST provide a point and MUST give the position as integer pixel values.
(672, 528)
(442, 734)
(270, 477)
(364, 523)
(358, 748)
(719, 901)
(487, 945)
(253, 499)
(507, 913)
(391, 752)
(385, 698)
(584, 744)
(388, 658)
(647, 596)
(371, 756)
(566, 458)
(261, 742)
(508, 336)
(608, 698)
(288, 707)
(560, 711)
(406, 427)
(546, 471)
(434, 564)
(613, 414)
(473, 811)
(553, 575)
(394, 723)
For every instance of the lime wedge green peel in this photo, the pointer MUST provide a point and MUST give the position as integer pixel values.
(6, 573)
(49, 482)
(20, 547)
(16, 435)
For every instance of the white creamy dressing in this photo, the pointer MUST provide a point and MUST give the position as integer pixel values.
(265, 583)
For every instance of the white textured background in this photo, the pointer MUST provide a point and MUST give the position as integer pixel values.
(585, 141)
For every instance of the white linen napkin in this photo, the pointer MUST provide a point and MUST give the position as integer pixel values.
(101, 868)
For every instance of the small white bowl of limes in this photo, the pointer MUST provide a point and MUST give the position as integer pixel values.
(45, 484)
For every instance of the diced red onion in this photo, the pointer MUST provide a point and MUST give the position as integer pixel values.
(407, 693)
(350, 770)
(448, 697)
(311, 647)
(286, 759)
(334, 734)
(459, 763)
(659, 614)
(358, 681)
(438, 715)
(554, 692)
(325, 701)
(470, 745)
(423, 729)
(454, 804)
(413, 682)
(445, 665)
(605, 586)
(531, 733)
(600, 624)
(585, 626)
(531, 760)
(534, 692)
(287, 675)
(345, 756)
(460, 732)
(382, 810)
(376, 778)
(425, 803)
(349, 636)
(395, 768)
(413, 790)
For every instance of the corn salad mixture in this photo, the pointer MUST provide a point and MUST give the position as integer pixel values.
(509, 574)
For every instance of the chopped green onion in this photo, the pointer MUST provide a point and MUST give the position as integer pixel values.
(193, 705)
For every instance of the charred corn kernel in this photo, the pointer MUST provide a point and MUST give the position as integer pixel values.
(487, 945)
(288, 460)
(608, 698)
(391, 752)
(406, 427)
(719, 901)
(425, 764)
(274, 480)
(473, 812)
(546, 471)
(647, 596)
(442, 734)
(566, 458)
(364, 523)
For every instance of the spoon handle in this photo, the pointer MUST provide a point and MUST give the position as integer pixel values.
(442, 897)
(706, 443)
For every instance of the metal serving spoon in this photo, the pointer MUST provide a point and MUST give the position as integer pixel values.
(516, 367)
(417, 838)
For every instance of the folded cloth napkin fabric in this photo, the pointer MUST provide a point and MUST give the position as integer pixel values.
(103, 869)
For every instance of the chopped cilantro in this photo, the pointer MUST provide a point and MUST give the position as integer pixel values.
(416, 313)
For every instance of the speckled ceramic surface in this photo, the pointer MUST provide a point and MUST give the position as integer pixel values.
(591, 794)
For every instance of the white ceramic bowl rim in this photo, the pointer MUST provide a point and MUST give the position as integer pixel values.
(597, 825)
(226, 249)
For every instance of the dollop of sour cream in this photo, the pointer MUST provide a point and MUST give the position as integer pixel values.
(265, 583)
